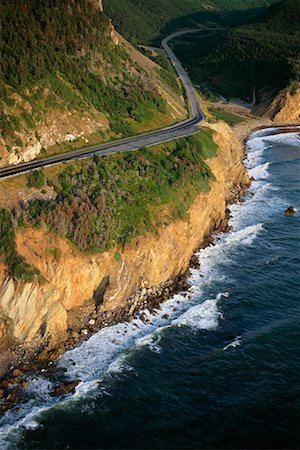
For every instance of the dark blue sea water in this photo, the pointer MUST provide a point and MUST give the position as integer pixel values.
(223, 370)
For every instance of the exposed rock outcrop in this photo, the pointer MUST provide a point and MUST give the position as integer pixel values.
(285, 107)
(40, 313)
(64, 389)
(56, 128)
(290, 211)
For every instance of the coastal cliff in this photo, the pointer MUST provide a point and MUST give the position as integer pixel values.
(283, 108)
(286, 106)
(40, 314)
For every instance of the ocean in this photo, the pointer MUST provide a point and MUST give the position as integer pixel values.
(216, 367)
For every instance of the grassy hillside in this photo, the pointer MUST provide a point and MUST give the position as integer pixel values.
(104, 202)
(146, 21)
(62, 56)
(107, 201)
(260, 57)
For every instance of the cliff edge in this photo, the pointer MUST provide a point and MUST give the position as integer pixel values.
(39, 315)
(283, 108)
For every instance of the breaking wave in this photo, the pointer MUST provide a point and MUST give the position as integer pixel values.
(107, 351)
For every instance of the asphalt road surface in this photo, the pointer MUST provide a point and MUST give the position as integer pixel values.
(181, 129)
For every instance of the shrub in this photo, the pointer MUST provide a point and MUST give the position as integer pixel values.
(75, 61)
(7, 236)
(36, 179)
(18, 268)
(110, 200)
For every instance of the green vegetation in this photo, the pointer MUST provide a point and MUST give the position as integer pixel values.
(207, 94)
(167, 71)
(148, 20)
(17, 265)
(60, 56)
(228, 117)
(41, 41)
(7, 237)
(118, 257)
(36, 179)
(250, 60)
(107, 201)
(55, 252)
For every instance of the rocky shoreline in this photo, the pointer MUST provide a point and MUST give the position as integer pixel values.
(243, 130)
(85, 321)
(88, 322)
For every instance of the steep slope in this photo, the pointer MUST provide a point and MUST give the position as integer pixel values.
(146, 21)
(284, 107)
(256, 60)
(41, 313)
(68, 76)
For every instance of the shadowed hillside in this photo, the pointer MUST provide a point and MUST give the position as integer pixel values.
(254, 59)
(146, 21)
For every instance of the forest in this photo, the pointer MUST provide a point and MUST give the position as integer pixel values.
(147, 21)
(248, 60)
(60, 56)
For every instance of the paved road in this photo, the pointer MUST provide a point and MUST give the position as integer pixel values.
(184, 128)
(193, 102)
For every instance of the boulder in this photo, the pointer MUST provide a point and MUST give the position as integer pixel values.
(290, 211)
(194, 262)
(17, 373)
(144, 292)
(65, 388)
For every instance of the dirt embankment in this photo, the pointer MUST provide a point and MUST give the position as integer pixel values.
(40, 315)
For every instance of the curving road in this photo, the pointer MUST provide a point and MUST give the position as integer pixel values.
(184, 128)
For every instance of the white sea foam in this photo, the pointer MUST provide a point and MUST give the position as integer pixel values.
(102, 349)
(107, 351)
(151, 341)
(204, 316)
(260, 172)
(284, 138)
(253, 158)
(39, 387)
(201, 317)
(244, 236)
(222, 251)
(267, 132)
(235, 343)
(13, 425)
(258, 144)
(260, 141)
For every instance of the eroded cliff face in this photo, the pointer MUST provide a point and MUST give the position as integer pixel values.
(38, 313)
(287, 107)
(67, 126)
(284, 108)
